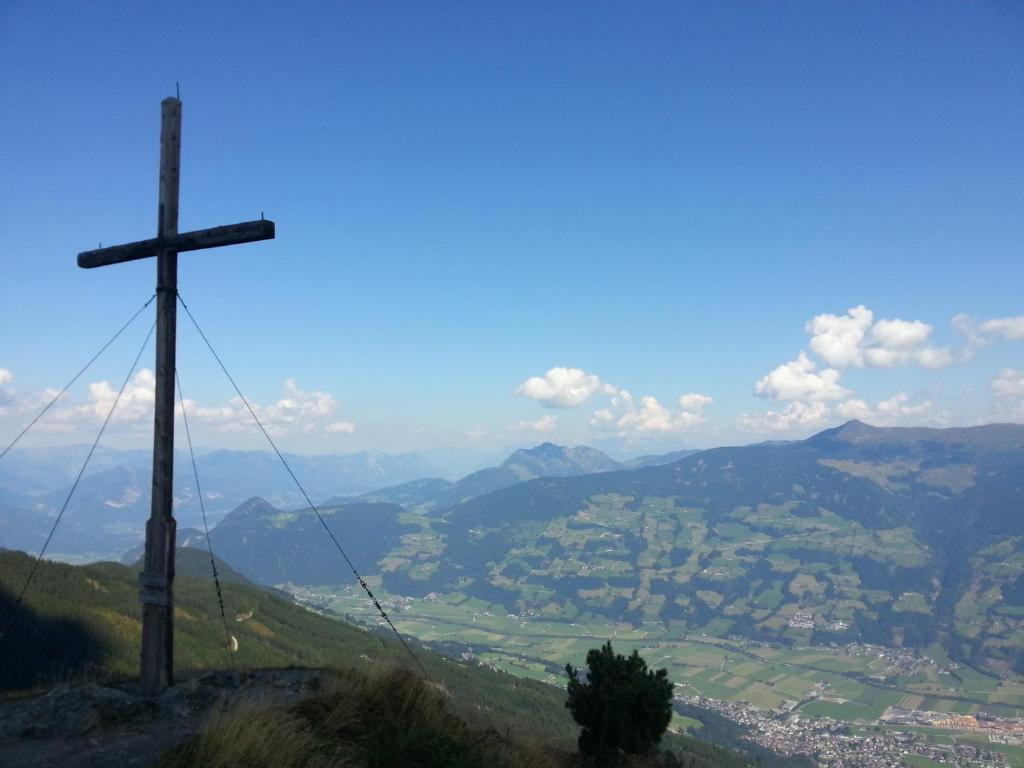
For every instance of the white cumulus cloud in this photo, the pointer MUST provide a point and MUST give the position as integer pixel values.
(899, 405)
(299, 410)
(1008, 383)
(1009, 328)
(797, 380)
(900, 334)
(297, 405)
(855, 408)
(981, 333)
(837, 339)
(857, 340)
(800, 416)
(135, 405)
(563, 387)
(694, 402)
(543, 424)
(795, 416)
(899, 409)
(651, 416)
(6, 377)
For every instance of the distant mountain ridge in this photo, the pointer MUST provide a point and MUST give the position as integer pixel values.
(550, 460)
(656, 460)
(546, 459)
(108, 511)
(898, 536)
(985, 436)
(888, 535)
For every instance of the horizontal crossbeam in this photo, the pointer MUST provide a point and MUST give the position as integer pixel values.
(232, 234)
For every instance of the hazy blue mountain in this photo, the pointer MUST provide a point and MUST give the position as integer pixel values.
(544, 460)
(27, 474)
(21, 529)
(655, 460)
(986, 438)
(108, 511)
(113, 497)
(550, 460)
(421, 495)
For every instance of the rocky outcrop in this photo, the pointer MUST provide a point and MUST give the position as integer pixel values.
(108, 726)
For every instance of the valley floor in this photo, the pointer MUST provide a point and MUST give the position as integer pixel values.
(759, 685)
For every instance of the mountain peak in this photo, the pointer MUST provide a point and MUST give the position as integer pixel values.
(546, 447)
(851, 432)
(250, 508)
(548, 459)
(543, 450)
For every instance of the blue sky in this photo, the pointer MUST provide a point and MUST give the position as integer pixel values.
(500, 223)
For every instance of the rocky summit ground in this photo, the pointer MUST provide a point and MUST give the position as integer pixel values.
(110, 726)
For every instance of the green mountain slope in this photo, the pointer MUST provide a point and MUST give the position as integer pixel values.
(888, 536)
(271, 546)
(195, 563)
(893, 536)
(83, 622)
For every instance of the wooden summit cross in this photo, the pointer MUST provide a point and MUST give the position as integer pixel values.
(157, 577)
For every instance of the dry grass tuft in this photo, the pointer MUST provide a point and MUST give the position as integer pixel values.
(386, 717)
(254, 736)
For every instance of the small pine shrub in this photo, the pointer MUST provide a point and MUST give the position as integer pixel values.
(623, 707)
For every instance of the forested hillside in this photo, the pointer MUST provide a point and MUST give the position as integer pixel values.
(900, 537)
(83, 623)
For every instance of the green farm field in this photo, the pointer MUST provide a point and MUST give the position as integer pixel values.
(813, 681)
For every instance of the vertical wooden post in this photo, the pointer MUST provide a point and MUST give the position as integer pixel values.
(157, 579)
(156, 582)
